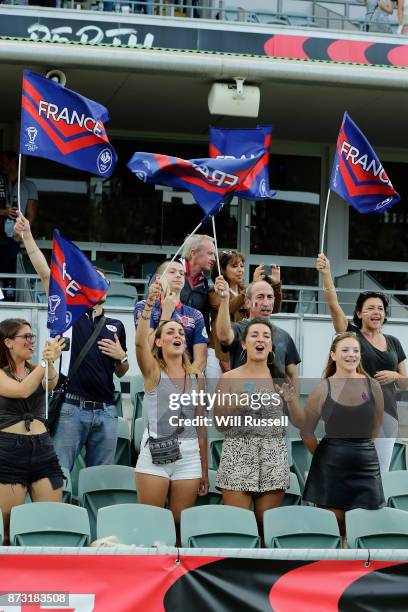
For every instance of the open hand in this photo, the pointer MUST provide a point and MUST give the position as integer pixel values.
(112, 348)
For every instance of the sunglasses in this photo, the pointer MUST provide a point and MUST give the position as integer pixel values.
(27, 337)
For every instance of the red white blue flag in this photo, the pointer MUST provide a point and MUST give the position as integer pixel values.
(62, 125)
(75, 285)
(211, 181)
(246, 143)
(357, 174)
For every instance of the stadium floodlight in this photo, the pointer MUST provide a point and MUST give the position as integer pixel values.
(234, 99)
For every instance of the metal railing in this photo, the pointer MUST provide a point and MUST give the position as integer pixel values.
(326, 14)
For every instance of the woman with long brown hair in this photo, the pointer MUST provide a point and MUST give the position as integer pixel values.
(173, 455)
(27, 457)
(345, 472)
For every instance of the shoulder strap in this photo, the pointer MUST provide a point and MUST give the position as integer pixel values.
(328, 388)
(85, 349)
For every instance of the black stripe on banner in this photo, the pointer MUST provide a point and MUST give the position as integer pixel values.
(316, 48)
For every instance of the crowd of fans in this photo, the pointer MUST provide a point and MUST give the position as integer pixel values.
(205, 353)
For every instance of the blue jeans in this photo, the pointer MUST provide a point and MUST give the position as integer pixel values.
(97, 430)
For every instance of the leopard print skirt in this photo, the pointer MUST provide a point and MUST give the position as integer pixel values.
(253, 463)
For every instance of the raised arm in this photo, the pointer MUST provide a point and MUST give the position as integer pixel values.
(313, 411)
(22, 228)
(337, 314)
(147, 363)
(223, 324)
(296, 414)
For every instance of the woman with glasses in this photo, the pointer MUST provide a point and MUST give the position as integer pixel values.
(27, 457)
(172, 462)
(232, 265)
(382, 355)
(345, 473)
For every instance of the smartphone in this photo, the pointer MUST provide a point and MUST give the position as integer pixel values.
(267, 270)
(67, 344)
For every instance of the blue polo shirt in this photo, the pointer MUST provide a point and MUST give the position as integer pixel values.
(191, 319)
(94, 377)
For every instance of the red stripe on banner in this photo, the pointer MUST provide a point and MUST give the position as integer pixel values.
(282, 45)
(349, 51)
(258, 168)
(64, 147)
(320, 584)
(361, 190)
(398, 56)
(62, 126)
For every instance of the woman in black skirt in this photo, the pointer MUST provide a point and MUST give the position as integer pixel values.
(345, 472)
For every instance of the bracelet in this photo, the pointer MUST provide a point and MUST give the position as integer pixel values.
(145, 318)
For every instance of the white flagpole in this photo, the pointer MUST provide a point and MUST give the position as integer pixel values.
(216, 246)
(46, 390)
(325, 220)
(178, 250)
(18, 183)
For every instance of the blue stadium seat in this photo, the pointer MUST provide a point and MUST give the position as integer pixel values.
(395, 485)
(49, 524)
(301, 461)
(138, 430)
(122, 455)
(399, 456)
(384, 528)
(214, 496)
(300, 527)
(218, 527)
(105, 485)
(293, 496)
(137, 524)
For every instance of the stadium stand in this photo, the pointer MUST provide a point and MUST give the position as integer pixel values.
(385, 528)
(217, 526)
(137, 524)
(300, 527)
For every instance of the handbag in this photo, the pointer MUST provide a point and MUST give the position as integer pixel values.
(58, 395)
(166, 449)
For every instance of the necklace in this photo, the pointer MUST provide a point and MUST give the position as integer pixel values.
(27, 371)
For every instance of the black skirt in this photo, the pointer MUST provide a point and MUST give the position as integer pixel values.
(345, 474)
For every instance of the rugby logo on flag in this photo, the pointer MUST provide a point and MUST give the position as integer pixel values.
(358, 176)
(61, 125)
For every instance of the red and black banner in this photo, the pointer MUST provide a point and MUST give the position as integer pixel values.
(127, 583)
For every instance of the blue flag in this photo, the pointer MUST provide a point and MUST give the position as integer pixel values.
(357, 174)
(211, 181)
(61, 125)
(246, 143)
(75, 285)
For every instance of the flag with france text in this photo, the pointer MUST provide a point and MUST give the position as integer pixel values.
(75, 285)
(357, 174)
(211, 181)
(246, 143)
(61, 125)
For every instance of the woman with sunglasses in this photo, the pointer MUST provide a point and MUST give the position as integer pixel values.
(232, 265)
(180, 471)
(345, 473)
(382, 355)
(27, 457)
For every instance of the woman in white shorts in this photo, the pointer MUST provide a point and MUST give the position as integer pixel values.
(169, 403)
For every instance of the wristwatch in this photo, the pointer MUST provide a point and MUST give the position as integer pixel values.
(43, 363)
(124, 360)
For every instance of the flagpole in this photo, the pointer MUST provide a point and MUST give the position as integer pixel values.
(178, 250)
(18, 183)
(325, 220)
(216, 246)
(46, 390)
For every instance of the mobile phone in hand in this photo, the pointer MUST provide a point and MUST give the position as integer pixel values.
(267, 270)
(67, 344)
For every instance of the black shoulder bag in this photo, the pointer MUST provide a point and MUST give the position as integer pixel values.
(58, 394)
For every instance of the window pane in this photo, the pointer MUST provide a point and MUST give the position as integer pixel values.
(388, 228)
(293, 298)
(288, 224)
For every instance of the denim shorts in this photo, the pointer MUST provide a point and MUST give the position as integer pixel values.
(24, 459)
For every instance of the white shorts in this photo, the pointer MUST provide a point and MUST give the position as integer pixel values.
(186, 468)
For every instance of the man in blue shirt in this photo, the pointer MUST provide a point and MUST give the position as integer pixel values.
(169, 306)
(88, 414)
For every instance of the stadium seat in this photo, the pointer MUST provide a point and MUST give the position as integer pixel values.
(301, 461)
(105, 485)
(138, 429)
(78, 466)
(67, 487)
(49, 524)
(214, 496)
(121, 294)
(395, 485)
(137, 524)
(111, 268)
(218, 527)
(122, 455)
(118, 396)
(384, 528)
(293, 496)
(215, 451)
(300, 527)
(399, 456)
(136, 398)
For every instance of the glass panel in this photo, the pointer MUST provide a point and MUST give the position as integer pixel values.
(123, 209)
(393, 280)
(288, 224)
(389, 228)
(293, 298)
